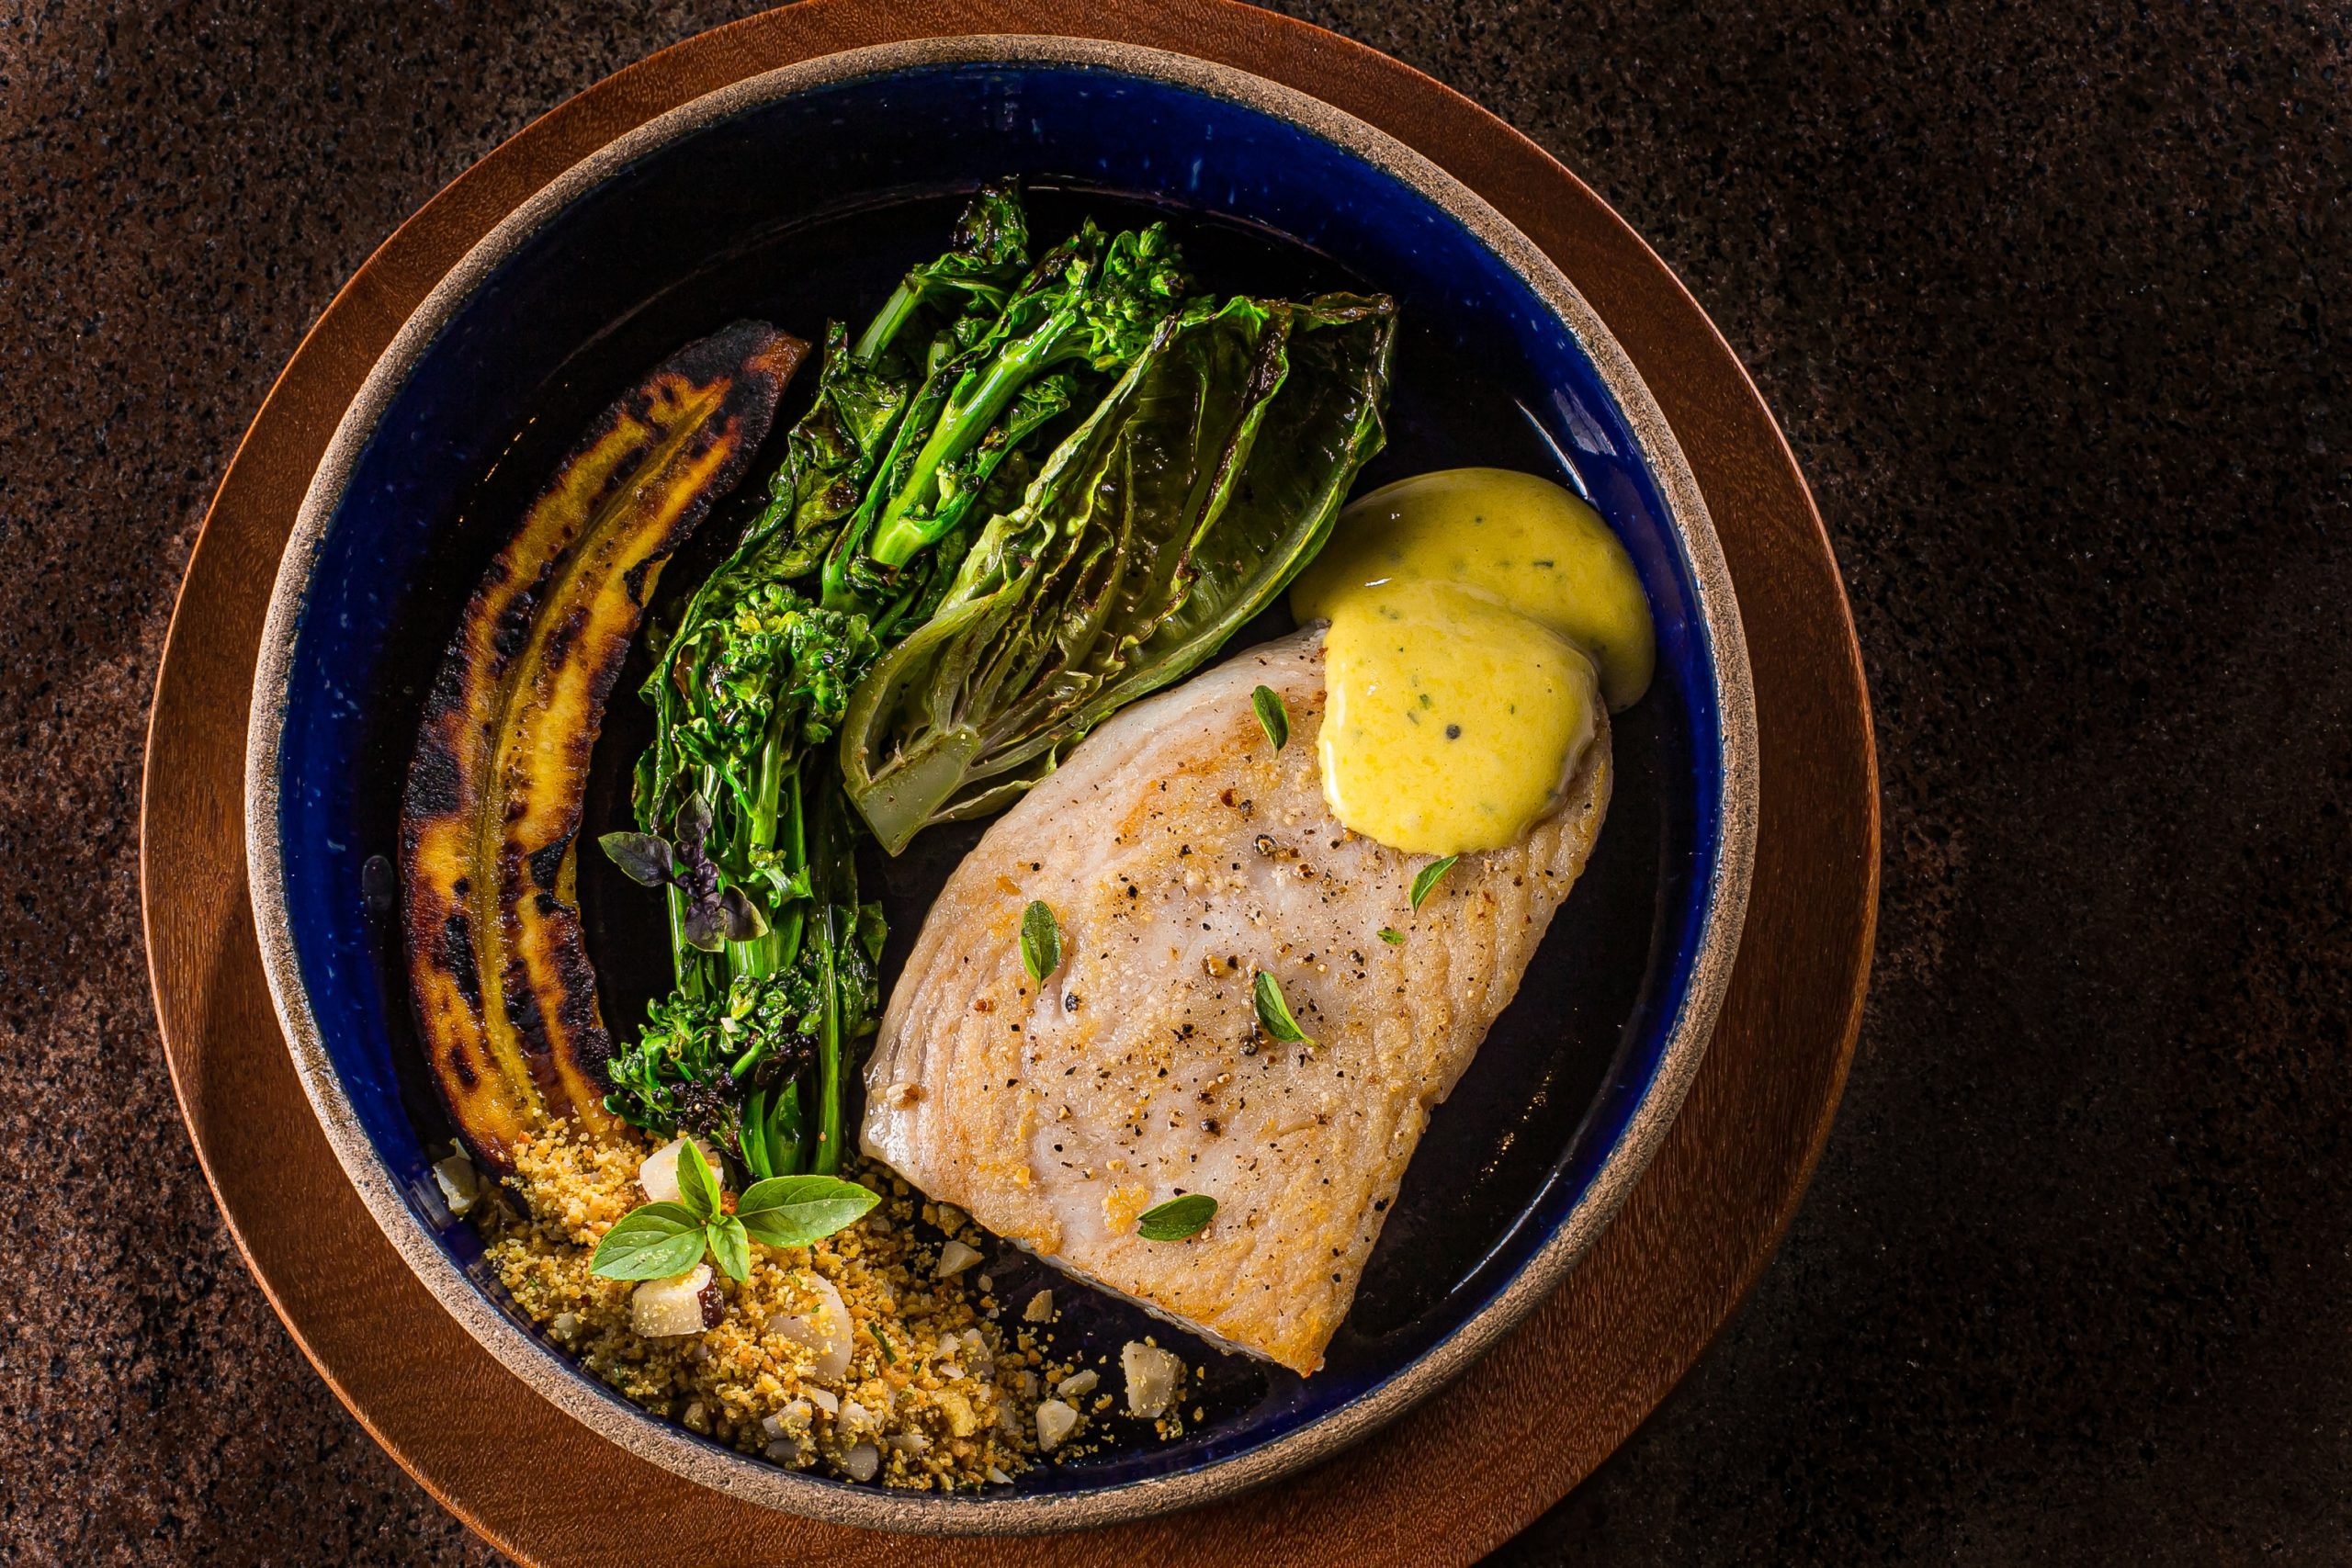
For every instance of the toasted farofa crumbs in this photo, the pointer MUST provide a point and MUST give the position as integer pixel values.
(934, 1397)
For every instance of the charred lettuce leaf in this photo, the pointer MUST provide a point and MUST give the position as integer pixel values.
(1197, 488)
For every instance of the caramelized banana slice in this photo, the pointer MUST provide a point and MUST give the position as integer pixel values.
(506, 998)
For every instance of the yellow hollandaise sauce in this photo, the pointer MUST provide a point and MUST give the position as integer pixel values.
(1479, 619)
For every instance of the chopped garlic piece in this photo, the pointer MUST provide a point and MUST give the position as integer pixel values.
(1040, 1308)
(659, 1174)
(1153, 1377)
(1078, 1385)
(828, 1332)
(954, 1258)
(665, 1308)
(460, 1182)
(1056, 1421)
(862, 1461)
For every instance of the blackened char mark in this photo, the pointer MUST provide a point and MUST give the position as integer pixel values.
(575, 978)
(563, 637)
(457, 956)
(546, 864)
(522, 1013)
(434, 785)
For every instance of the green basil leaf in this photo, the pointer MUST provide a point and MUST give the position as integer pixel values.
(658, 1241)
(1429, 877)
(1177, 1218)
(697, 1185)
(794, 1210)
(729, 1245)
(1392, 936)
(1272, 715)
(1274, 1012)
(1041, 940)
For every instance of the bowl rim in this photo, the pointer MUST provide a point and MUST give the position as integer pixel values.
(675, 1448)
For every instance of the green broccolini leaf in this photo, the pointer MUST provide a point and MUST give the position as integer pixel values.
(984, 258)
(1091, 301)
(758, 662)
(695, 1057)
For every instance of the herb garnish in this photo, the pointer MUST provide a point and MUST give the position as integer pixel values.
(1274, 1012)
(1041, 940)
(715, 915)
(1392, 936)
(661, 1241)
(796, 1211)
(1177, 1218)
(1272, 715)
(1429, 877)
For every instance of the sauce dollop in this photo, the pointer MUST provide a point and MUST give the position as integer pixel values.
(1478, 618)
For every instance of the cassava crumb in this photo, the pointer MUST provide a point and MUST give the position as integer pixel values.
(754, 1380)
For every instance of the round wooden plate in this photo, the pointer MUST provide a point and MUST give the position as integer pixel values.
(1448, 1482)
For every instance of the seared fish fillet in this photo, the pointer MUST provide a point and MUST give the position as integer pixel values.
(1181, 854)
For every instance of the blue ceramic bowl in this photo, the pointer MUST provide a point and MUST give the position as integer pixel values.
(801, 195)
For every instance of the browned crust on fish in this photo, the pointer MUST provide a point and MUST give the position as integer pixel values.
(506, 998)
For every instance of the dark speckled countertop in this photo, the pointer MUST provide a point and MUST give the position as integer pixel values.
(2052, 302)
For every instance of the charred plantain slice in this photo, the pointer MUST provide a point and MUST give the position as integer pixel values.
(505, 1000)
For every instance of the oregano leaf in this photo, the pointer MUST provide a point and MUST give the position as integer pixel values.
(1273, 1010)
(1177, 1218)
(1430, 877)
(1041, 940)
(1272, 715)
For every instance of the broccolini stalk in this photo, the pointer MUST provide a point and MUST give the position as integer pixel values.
(1198, 487)
(1091, 301)
(746, 694)
(1023, 497)
(990, 248)
(774, 954)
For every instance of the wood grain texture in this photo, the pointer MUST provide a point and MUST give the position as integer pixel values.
(1444, 1486)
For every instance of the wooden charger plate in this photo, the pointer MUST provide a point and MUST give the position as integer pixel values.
(1449, 1481)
